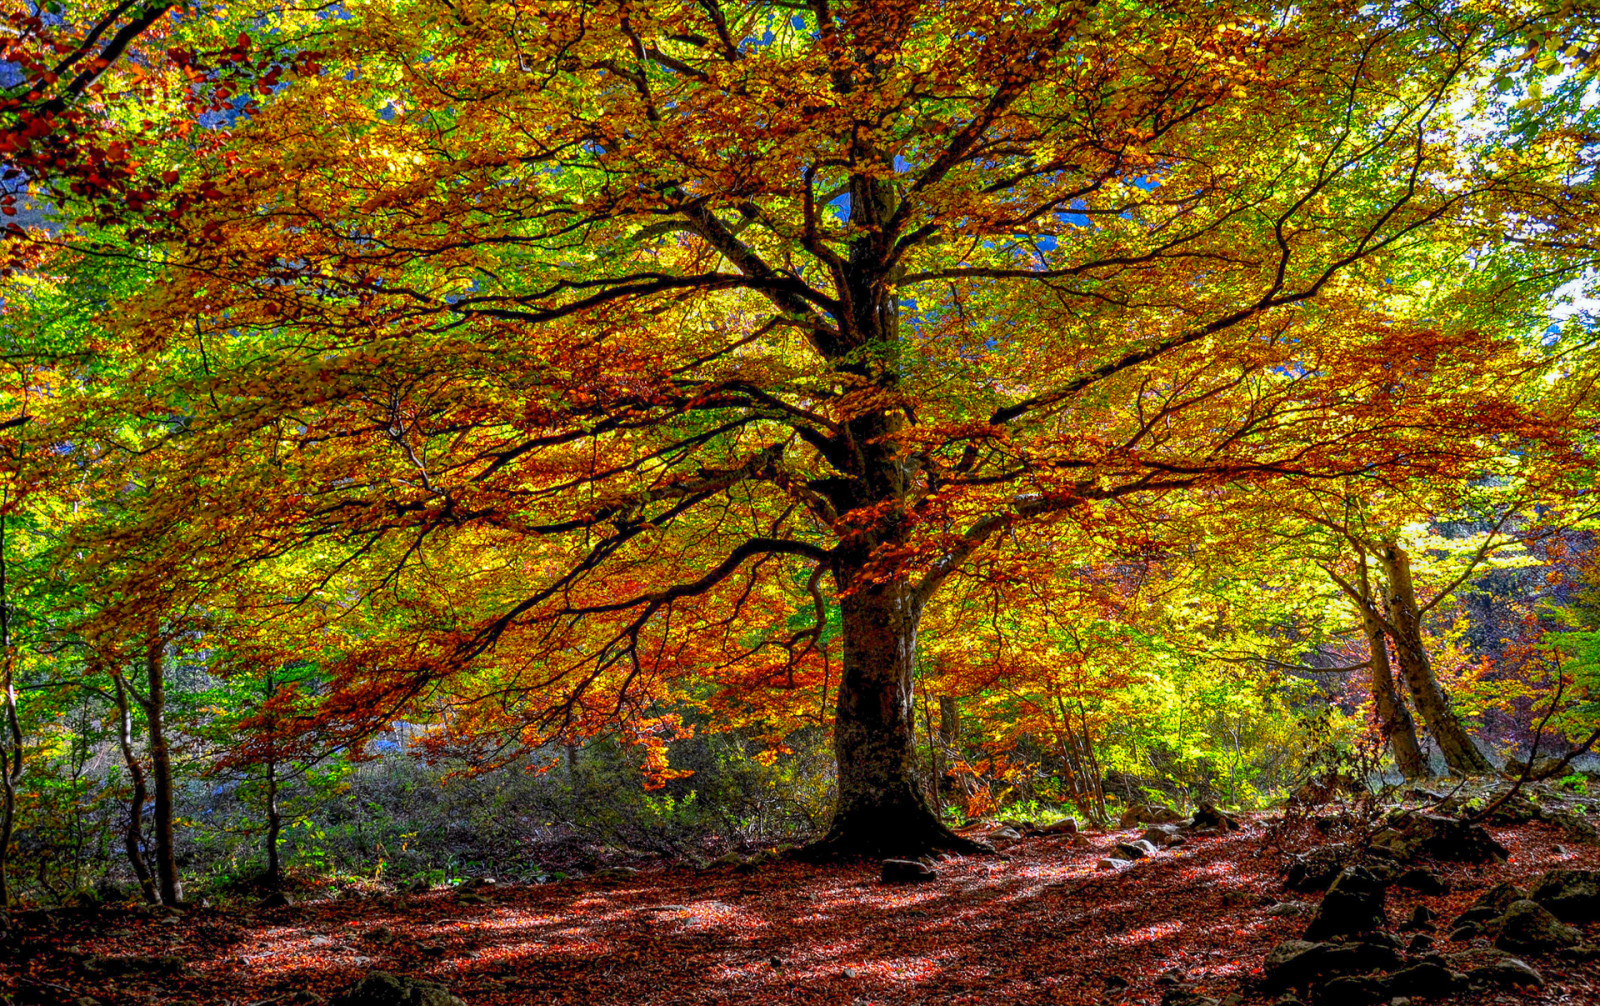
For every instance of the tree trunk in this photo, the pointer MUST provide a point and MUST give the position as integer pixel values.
(1405, 619)
(274, 877)
(10, 745)
(1394, 719)
(155, 705)
(880, 810)
(132, 836)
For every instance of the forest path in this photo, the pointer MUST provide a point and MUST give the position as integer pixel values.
(1038, 926)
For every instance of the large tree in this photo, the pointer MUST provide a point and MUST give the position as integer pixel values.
(552, 351)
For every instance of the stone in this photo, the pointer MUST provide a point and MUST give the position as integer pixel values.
(1355, 990)
(1298, 962)
(1508, 972)
(1130, 817)
(1065, 826)
(1573, 895)
(1005, 834)
(1353, 904)
(1136, 849)
(1421, 880)
(1528, 925)
(1577, 828)
(380, 988)
(1155, 813)
(1315, 869)
(1185, 995)
(1462, 934)
(1161, 835)
(1497, 899)
(1111, 863)
(1449, 838)
(1425, 979)
(907, 871)
(1292, 910)
(1208, 816)
(379, 934)
(1421, 917)
(1079, 841)
(1420, 944)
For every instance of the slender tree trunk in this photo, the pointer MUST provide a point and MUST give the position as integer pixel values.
(132, 836)
(11, 743)
(274, 877)
(155, 706)
(1460, 753)
(1394, 719)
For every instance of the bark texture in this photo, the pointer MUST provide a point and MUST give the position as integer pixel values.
(1394, 719)
(155, 709)
(133, 834)
(1461, 754)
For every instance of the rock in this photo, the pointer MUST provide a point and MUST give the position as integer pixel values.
(1420, 944)
(1315, 869)
(1508, 972)
(1155, 813)
(1421, 918)
(379, 934)
(1005, 834)
(1573, 895)
(1425, 979)
(1581, 952)
(1110, 863)
(1208, 816)
(1161, 835)
(1080, 842)
(276, 899)
(1455, 840)
(907, 871)
(1463, 934)
(381, 988)
(1065, 826)
(1130, 817)
(1528, 925)
(1496, 900)
(1355, 990)
(1421, 880)
(1298, 962)
(1185, 995)
(1353, 904)
(1577, 828)
(418, 886)
(1136, 849)
(1293, 910)
(471, 898)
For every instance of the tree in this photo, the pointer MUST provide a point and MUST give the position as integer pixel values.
(567, 361)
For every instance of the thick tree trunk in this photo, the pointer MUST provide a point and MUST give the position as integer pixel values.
(1460, 753)
(880, 810)
(155, 706)
(132, 835)
(1394, 719)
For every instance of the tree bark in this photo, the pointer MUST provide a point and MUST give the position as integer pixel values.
(11, 745)
(1394, 719)
(132, 836)
(1405, 622)
(880, 810)
(155, 706)
(274, 876)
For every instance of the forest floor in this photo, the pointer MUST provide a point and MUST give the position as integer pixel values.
(1039, 924)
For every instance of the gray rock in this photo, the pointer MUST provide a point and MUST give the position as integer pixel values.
(1161, 835)
(1528, 925)
(1298, 962)
(907, 871)
(1573, 895)
(1353, 904)
(380, 988)
(1425, 979)
(1065, 826)
(1355, 990)
(1421, 880)
(1498, 898)
(1508, 972)
(1111, 863)
(1292, 910)
(1136, 849)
